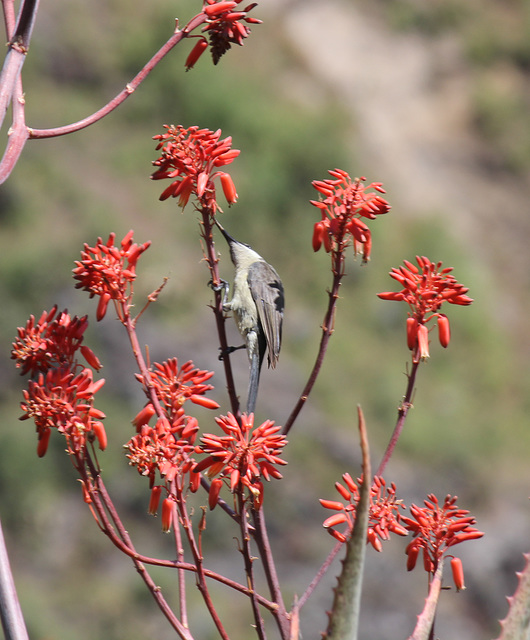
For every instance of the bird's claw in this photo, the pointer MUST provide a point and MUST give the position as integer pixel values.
(223, 284)
(228, 351)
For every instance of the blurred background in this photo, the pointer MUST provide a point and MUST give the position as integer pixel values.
(432, 99)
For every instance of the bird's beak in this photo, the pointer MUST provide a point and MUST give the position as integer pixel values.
(227, 236)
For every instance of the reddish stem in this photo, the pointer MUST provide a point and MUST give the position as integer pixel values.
(220, 318)
(262, 541)
(402, 415)
(327, 331)
(249, 560)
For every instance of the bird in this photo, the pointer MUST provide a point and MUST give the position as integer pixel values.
(257, 304)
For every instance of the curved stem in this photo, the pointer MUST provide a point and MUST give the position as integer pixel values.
(402, 415)
(327, 331)
(129, 88)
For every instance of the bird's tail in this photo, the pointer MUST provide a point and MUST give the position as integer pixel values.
(255, 368)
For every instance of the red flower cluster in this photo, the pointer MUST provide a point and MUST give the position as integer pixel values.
(435, 530)
(425, 290)
(345, 202)
(173, 386)
(108, 271)
(225, 25)
(244, 455)
(384, 514)
(62, 400)
(62, 396)
(190, 158)
(168, 446)
(51, 341)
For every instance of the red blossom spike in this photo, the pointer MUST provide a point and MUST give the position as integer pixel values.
(344, 202)
(425, 290)
(383, 515)
(244, 455)
(436, 528)
(190, 157)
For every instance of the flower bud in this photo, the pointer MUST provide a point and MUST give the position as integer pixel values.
(213, 495)
(44, 439)
(154, 501)
(196, 53)
(444, 330)
(412, 332)
(458, 574)
(100, 433)
(167, 515)
(229, 188)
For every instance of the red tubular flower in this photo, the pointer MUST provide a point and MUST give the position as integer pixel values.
(167, 514)
(174, 385)
(154, 500)
(225, 26)
(345, 202)
(108, 271)
(244, 455)
(458, 573)
(444, 330)
(63, 401)
(229, 188)
(425, 289)
(51, 341)
(190, 158)
(436, 528)
(384, 511)
(197, 51)
(168, 452)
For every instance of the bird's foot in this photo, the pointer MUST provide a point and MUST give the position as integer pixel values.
(226, 352)
(223, 284)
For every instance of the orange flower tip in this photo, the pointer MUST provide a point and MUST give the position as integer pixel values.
(167, 515)
(44, 439)
(332, 504)
(334, 520)
(196, 53)
(318, 234)
(102, 306)
(90, 357)
(337, 535)
(412, 332)
(219, 7)
(423, 342)
(213, 495)
(101, 434)
(458, 574)
(444, 330)
(144, 416)
(154, 500)
(229, 188)
(208, 403)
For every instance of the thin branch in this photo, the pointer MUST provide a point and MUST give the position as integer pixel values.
(267, 560)
(212, 259)
(249, 562)
(327, 331)
(130, 87)
(10, 611)
(402, 416)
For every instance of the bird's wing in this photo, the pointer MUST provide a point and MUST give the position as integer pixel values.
(267, 292)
